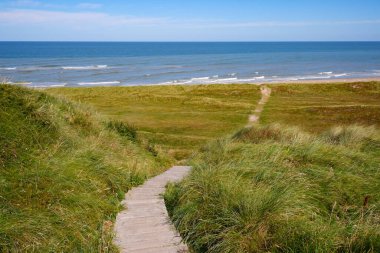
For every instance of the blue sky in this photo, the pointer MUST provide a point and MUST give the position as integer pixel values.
(192, 20)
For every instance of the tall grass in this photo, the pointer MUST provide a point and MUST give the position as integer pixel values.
(62, 174)
(278, 189)
(124, 129)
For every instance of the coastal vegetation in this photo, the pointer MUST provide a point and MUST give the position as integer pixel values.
(306, 179)
(310, 185)
(317, 107)
(63, 172)
(278, 189)
(175, 119)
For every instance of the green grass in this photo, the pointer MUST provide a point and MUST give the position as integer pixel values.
(317, 107)
(303, 186)
(274, 189)
(175, 119)
(308, 188)
(63, 172)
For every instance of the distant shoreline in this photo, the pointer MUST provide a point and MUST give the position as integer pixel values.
(343, 80)
(134, 64)
(315, 81)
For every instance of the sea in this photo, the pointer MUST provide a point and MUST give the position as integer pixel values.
(83, 64)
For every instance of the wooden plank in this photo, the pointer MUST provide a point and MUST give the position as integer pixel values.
(145, 226)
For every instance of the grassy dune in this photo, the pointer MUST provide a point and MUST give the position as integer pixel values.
(63, 171)
(317, 107)
(176, 119)
(310, 187)
(273, 189)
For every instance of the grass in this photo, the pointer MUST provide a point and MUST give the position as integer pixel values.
(278, 189)
(308, 185)
(175, 119)
(272, 188)
(63, 171)
(317, 107)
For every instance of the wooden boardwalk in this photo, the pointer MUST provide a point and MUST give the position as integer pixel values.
(144, 226)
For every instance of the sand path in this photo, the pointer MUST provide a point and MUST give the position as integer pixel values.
(265, 95)
(144, 226)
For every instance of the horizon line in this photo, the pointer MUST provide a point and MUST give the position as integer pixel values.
(195, 41)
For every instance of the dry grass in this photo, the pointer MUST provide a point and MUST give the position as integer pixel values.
(317, 107)
(176, 119)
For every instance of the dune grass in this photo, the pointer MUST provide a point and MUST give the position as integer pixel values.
(317, 107)
(63, 172)
(277, 189)
(175, 119)
(309, 188)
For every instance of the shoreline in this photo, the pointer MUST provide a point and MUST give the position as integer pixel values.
(322, 81)
(314, 81)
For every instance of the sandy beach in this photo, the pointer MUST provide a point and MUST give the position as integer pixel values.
(346, 80)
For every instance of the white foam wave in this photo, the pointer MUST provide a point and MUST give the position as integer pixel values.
(195, 79)
(340, 75)
(331, 74)
(8, 68)
(92, 67)
(233, 79)
(215, 80)
(20, 83)
(35, 68)
(99, 83)
(312, 77)
(58, 85)
(256, 79)
(46, 85)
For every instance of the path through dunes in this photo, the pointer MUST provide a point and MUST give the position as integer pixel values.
(145, 226)
(265, 95)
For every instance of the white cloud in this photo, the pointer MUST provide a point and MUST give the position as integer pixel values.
(26, 3)
(87, 24)
(89, 5)
(295, 24)
(31, 17)
(94, 18)
(219, 24)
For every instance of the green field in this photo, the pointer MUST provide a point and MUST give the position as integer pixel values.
(316, 107)
(176, 119)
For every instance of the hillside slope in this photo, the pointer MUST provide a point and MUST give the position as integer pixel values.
(273, 189)
(63, 171)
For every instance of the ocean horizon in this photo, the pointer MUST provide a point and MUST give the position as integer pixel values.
(83, 64)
